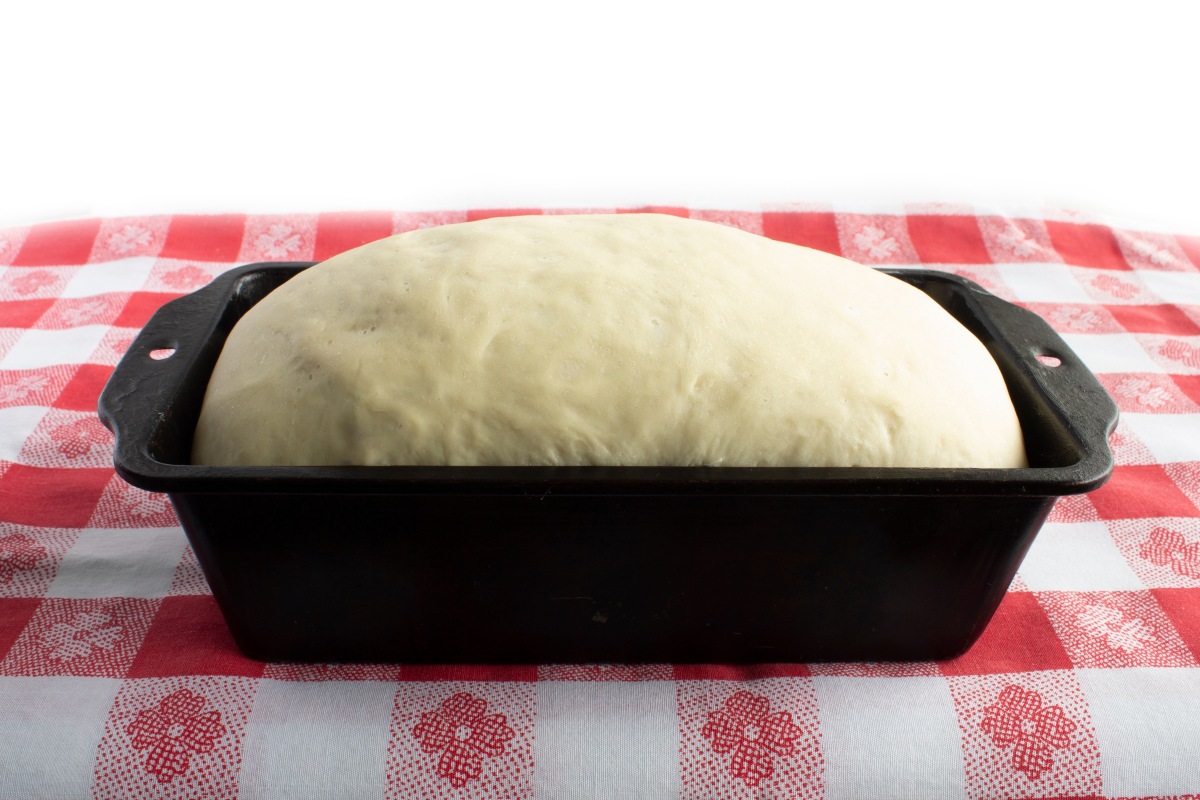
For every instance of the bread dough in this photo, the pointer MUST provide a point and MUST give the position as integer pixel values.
(640, 339)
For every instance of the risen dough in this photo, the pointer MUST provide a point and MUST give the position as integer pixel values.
(602, 339)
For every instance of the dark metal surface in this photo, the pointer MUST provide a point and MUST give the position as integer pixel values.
(530, 564)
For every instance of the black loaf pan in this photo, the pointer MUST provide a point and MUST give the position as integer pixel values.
(594, 564)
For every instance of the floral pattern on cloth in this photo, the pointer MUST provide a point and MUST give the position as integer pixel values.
(18, 552)
(1075, 317)
(85, 637)
(73, 312)
(467, 740)
(186, 278)
(1152, 251)
(1119, 632)
(16, 389)
(178, 738)
(875, 240)
(76, 439)
(463, 733)
(123, 505)
(1114, 286)
(278, 241)
(1026, 734)
(1115, 629)
(278, 238)
(1181, 353)
(1168, 548)
(755, 736)
(1017, 240)
(88, 630)
(760, 740)
(28, 283)
(67, 438)
(1161, 551)
(173, 731)
(129, 239)
(1148, 393)
(1019, 718)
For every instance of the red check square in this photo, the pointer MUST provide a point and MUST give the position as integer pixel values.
(1161, 319)
(15, 613)
(1182, 607)
(141, 307)
(1019, 638)
(58, 243)
(1191, 246)
(82, 392)
(948, 239)
(204, 237)
(189, 637)
(51, 497)
(339, 232)
(1086, 245)
(814, 229)
(1189, 385)
(22, 313)
(1143, 490)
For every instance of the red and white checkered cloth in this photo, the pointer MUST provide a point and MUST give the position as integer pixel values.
(118, 678)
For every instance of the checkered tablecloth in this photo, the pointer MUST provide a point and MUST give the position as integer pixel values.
(118, 678)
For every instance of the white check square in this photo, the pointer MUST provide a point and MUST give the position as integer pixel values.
(126, 275)
(1169, 437)
(899, 733)
(37, 349)
(51, 727)
(1180, 288)
(587, 730)
(16, 425)
(1111, 352)
(120, 562)
(1147, 722)
(1043, 282)
(1077, 557)
(316, 739)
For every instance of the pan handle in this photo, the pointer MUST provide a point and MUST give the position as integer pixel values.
(153, 397)
(1038, 355)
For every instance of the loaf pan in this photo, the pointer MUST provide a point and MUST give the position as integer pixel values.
(602, 564)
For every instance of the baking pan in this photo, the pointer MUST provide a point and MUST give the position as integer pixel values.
(602, 564)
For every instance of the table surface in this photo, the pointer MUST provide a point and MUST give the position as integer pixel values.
(118, 677)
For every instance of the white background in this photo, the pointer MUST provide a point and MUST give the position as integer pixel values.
(235, 105)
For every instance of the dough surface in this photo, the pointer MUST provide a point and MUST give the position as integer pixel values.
(638, 339)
